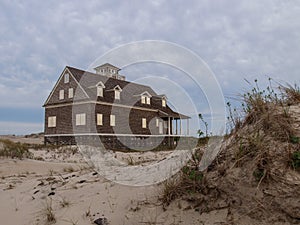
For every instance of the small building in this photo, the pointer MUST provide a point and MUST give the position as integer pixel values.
(85, 106)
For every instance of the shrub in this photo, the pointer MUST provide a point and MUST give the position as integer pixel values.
(14, 150)
(295, 160)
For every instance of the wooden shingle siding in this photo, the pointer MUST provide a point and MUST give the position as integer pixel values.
(129, 112)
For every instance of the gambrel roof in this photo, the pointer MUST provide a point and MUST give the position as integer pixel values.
(130, 95)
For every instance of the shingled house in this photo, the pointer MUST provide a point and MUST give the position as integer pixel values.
(85, 106)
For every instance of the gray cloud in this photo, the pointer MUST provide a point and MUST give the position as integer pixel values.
(237, 39)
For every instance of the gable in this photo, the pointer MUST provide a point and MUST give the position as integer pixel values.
(65, 84)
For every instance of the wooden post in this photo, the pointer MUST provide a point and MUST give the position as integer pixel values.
(188, 127)
(180, 126)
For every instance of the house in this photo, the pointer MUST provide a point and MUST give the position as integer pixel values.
(85, 106)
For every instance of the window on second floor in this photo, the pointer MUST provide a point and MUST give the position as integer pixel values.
(157, 122)
(71, 93)
(112, 120)
(145, 100)
(52, 121)
(163, 102)
(99, 119)
(80, 119)
(117, 94)
(100, 91)
(61, 94)
(144, 123)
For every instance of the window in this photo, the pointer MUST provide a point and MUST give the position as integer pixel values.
(61, 94)
(52, 121)
(66, 78)
(100, 91)
(165, 124)
(143, 99)
(144, 123)
(117, 94)
(112, 120)
(157, 122)
(99, 119)
(71, 92)
(163, 102)
(80, 119)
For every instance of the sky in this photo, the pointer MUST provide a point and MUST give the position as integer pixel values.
(237, 40)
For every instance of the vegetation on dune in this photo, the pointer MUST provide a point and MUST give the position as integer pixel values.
(14, 149)
(259, 154)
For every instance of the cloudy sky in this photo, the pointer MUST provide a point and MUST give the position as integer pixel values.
(237, 40)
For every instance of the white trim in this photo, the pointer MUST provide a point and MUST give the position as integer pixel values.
(146, 93)
(113, 134)
(57, 82)
(102, 103)
(100, 84)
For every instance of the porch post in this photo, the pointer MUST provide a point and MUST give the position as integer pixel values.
(169, 126)
(176, 127)
(188, 127)
(180, 126)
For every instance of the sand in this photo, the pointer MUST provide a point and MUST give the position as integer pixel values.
(62, 184)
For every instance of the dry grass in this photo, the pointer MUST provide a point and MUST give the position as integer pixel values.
(262, 137)
(48, 212)
(14, 149)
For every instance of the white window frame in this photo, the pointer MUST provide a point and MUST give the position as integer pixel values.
(66, 78)
(80, 119)
(61, 94)
(117, 94)
(52, 121)
(99, 119)
(144, 123)
(99, 91)
(112, 120)
(148, 100)
(145, 99)
(71, 93)
(164, 102)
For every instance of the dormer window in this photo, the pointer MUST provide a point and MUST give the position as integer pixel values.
(164, 102)
(100, 87)
(117, 94)
(145, 98)
(118, 91)
(100, 91)
(66, 78)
